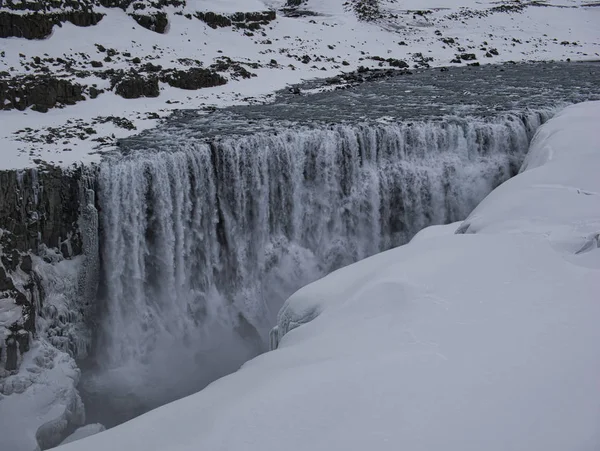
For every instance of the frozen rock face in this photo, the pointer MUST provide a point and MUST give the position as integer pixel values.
(202, 243)
(48, 278)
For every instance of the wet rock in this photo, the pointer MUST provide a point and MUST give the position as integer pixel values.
(136, 86)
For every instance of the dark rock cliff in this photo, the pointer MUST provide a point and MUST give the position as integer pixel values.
(46, 216)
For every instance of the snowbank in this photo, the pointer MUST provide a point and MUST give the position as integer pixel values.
(83, 432)
(470, 341)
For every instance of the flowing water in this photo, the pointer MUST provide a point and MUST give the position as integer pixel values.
(209, 222)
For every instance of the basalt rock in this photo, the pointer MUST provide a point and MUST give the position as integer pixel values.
(136, 86)
(39, 26)
(39, 207)
(194, 78)
(42, 92)
(156, 22)
(251, 20)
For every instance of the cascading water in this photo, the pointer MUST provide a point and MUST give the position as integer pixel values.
(202, 243)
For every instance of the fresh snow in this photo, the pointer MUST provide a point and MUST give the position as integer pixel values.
(335, 35)
(83, 432)
(482, 339)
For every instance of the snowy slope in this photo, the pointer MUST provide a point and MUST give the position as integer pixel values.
(483, 339)
(333, 38)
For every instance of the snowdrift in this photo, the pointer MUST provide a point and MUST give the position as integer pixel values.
(486, 338)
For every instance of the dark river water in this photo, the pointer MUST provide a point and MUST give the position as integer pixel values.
(426, 94)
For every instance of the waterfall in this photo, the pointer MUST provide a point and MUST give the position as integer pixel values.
(203, 241)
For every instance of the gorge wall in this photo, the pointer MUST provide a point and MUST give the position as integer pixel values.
(168, 266)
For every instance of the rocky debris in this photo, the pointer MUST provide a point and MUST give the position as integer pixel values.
(136, 86)
(156, 21)
(361, 75)
(459, 58)
(39, 26)
(393, 62)
(236, 68)
(251, 20)
(194, 78)
(421, 61)
(41, 92)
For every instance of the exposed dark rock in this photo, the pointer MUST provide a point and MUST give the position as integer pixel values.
(23, 340)
(156, 22)
(27, 263)
(42, 91)
(194, 78)
(11, 354)
(213, 20)
(136, 86)
(6, 282)
(467, 56)
(39, 26)
(39, 206)
(251, 20)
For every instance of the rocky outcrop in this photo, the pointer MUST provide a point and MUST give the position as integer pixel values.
(47, 216)
(194, 78)
(41, 207)
(136, 86)
(39, 26)
(41, 92)
(251, 20)
(156, 21)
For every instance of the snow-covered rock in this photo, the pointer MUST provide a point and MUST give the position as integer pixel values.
(479, 340)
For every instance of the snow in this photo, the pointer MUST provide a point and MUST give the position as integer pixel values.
(482, 339)
(83, 432)
(41, 401)
(335, 35)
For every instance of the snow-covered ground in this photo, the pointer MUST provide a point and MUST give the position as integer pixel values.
(486, 338)
(333, 39)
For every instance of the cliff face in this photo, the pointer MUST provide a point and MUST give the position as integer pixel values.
(43, 216)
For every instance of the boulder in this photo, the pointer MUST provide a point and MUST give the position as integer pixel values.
(136, 86)
(194, 78)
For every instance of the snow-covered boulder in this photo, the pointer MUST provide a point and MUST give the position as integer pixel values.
(468, 341)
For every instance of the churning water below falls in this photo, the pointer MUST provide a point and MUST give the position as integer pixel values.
(211, 221)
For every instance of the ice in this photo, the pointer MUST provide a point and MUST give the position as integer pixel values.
(469, 341)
